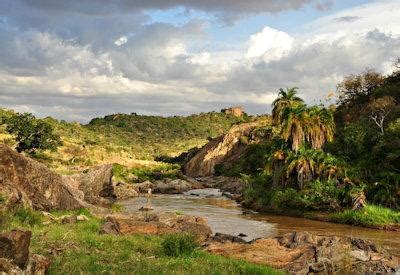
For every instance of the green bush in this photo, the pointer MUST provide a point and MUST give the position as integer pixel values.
(317, 196)
(27, 216)
(176, 245)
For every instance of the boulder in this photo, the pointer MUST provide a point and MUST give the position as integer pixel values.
(176, 186)
(29, 183)
(167, 186)
(124, 191)
(154, 224)
(93, 185)
(15, 257)
(222, 238)
(14, 246)
(302, 252)
(221, 150)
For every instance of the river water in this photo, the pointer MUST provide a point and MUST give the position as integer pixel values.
(226, 216)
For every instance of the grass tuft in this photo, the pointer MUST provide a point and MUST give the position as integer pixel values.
(176, 245)
(371, 215)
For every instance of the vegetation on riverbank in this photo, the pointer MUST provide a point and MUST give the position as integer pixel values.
(78, 247)
(315, 158)
(369, 216)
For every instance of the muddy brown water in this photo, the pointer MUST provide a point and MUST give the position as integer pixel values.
(226, 216)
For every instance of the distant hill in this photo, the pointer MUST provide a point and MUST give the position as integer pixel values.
(125, 139)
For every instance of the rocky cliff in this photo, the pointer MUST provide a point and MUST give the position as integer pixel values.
(223, 149)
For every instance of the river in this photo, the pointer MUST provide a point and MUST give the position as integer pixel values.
(226, 216)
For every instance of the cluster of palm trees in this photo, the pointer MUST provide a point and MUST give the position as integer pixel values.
(304, 131)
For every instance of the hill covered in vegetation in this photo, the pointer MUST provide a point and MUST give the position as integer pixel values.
(127, 139)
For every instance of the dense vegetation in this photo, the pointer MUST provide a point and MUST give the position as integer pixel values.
(132, 140)
(315, 158)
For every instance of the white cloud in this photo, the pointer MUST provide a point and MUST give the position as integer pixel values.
(269, 43)
(121, 41)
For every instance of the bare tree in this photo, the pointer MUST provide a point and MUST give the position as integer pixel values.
(380, 109)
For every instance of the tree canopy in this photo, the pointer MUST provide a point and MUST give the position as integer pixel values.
(31, 133)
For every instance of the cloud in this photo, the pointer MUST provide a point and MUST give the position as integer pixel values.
(346, 19)
(269, 43)
(77, 61)
(102, 7)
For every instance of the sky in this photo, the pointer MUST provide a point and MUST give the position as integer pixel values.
(80, 59)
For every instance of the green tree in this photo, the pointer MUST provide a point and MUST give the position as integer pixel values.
(285, 99)
(31, 133)
(355, 87)
(314, 125)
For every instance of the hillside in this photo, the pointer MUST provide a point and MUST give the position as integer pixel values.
(129, 139)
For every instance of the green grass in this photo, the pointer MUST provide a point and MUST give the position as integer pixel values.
(179, 245)
(79, 248)
(141, 174)
(371, 215)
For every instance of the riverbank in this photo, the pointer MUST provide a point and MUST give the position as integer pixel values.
(76, 247)
(371, 216)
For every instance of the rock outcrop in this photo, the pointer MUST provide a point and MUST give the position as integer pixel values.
(28, 182)
(156, 223)
(93, 185)
(168, 186)
(235, 111)
(302, 252)
(124, 191)
(223, 149)
(15, 257)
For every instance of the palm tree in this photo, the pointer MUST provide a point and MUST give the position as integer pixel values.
(285, 99)
(300, 124)
(294, 121)
(320, 126)
(309, 164)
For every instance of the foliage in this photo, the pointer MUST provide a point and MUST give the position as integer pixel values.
(368, 139)
(370, 215)
(357, 87)
(141, 174)
(176, 245)
(31, 133)
(286, 99)
(316, 196)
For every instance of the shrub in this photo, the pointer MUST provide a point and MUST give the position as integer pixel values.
(316, 196)
(27, 216)
(176, 245)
